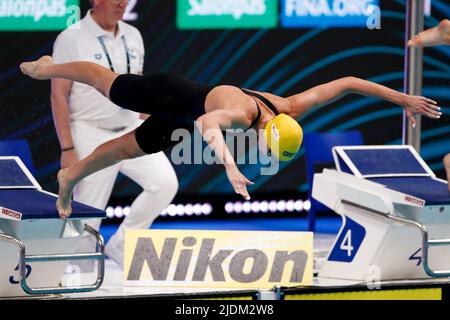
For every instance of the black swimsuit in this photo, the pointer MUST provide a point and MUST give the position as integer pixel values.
(173, 102)
(264, 100)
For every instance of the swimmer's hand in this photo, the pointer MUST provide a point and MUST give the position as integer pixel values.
(420, 105)
(238, 181)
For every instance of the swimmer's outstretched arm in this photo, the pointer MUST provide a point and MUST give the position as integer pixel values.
(329, 92)
(210, 125)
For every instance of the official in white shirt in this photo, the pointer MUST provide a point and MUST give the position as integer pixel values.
(84, 119)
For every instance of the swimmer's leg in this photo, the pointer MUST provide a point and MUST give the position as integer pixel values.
(107, 154)
(439, 35)
(89, 73)
(447, 168)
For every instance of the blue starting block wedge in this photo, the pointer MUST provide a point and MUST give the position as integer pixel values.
(30, 225)
(395, 212)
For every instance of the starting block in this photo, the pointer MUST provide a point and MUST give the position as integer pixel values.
(35, 244)
(395, 215)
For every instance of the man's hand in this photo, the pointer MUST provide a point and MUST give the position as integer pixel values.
(238, 181)
(420, 105)
(68, 158)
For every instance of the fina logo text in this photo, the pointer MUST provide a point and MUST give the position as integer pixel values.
(332, 13)
(235, 8)
(160, 263)
(340, 8)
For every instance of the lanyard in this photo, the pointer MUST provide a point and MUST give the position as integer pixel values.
(108, 57)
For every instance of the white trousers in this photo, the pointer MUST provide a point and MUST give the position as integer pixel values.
(154, 173)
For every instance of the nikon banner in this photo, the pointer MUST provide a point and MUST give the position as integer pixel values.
(38, 15)
(218, 259)
(227, 14)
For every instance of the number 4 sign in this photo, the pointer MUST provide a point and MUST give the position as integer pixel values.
(348, 242)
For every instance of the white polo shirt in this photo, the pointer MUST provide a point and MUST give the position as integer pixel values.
(83, 42)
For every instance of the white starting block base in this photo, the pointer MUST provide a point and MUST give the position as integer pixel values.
(39, 237)
(35, 244)
(390, 251)
(386, 234)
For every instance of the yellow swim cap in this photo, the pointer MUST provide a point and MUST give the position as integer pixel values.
(284, 136)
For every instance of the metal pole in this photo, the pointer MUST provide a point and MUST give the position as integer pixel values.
(413, 69)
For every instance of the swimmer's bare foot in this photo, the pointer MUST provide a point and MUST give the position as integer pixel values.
(439, 35)
(64, 195)
(36, 69)
(447, 168)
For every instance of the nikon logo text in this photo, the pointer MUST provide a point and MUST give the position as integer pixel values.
(176, 257)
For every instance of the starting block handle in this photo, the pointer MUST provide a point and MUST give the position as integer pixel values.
(426, 244)
(439, 242)
(64, 257)
(428, 270)
(23, 259)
